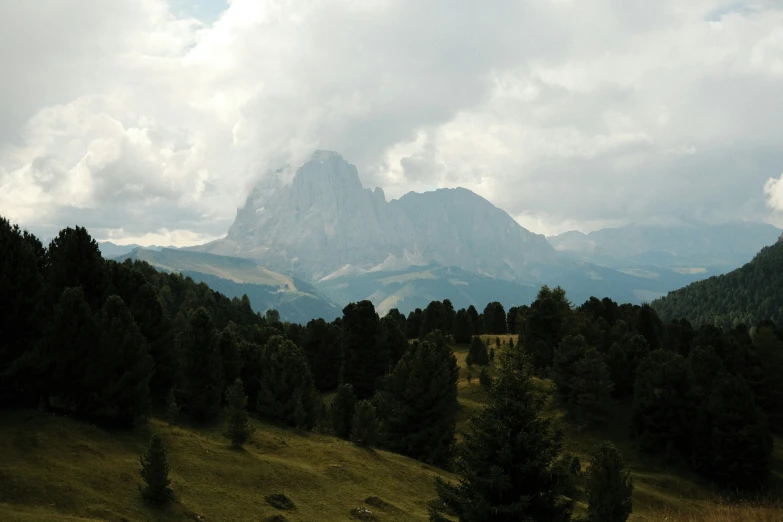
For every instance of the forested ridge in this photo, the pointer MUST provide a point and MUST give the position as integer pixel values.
(116, 343)
(748, 295)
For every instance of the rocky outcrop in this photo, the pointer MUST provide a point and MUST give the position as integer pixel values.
(325, 221)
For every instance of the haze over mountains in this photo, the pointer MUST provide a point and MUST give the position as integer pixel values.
(324, 240)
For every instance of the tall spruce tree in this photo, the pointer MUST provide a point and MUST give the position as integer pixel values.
(363, 360)
(731, 439)
(548, 320)
(321, 345)
(477, 353)
(417, 402)
(342, 410)
(121, 367)
(76, 261)
(365, 425)
(768, 375)
(623, 359)
(507, 462)
(568, 352)
(155, 470)
(392, 339)
(238, 429)
(204, 368)
(609, 486)
(591, 388)
(463, 327)
(660, 401)
(228, 343)
(286, 391)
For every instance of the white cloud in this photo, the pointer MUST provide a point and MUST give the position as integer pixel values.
(136, 123)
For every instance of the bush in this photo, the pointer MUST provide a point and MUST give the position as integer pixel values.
(280, 501)
(155, 472)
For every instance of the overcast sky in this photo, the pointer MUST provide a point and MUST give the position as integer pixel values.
(150, 120)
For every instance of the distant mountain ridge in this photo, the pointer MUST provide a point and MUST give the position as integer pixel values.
(325, 221)
(695, 245)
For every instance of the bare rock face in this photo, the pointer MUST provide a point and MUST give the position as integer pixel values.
(325, 222)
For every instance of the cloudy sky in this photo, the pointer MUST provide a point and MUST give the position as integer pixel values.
(151, 120)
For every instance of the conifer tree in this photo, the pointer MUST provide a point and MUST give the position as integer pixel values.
(507, 464)
(484, 379)
(229, 355)
(172, 408)
(286, 391)
(623, 359)
(363, 360)
(392, 339)
(463, 327)
(204, 377)
(155, 470)
(609, 486)
(548, 320)
(567, 353)
(342, 410)
(321, 345)
(591, 387)
(477, 353)
(238, 429)
(732, 443)
(660, 395)
(365, 425)
(417, 402)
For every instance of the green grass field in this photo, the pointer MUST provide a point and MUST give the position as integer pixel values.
(58, 469)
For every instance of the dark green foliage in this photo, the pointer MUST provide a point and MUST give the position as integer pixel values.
(437, 316)
(286, 392)
(120, 371)
(400, 318)
(417, 403)
(392, 339)
(155, 325)
(172, 408)
(678, 336)
(228, 343)
(477, 354)
(251, 370)
(768, 375)
(413, 324)
(484, 379)
(155, 470)
(548, 321)
(70, 346)
(203, 366)
(731, 439)
(494, 319)
(321, 345)
(749, 295)
(704, 369)
(474, 319)
(463, 327)
(650, 326)
(492, 354)
(660, 396)
(570, 350)
(623, 359)
(342, 410)
(363, 361)
(365, 425)
(21, 283)
(591, 387)
(609, 486)
(75, 261)
(512, 320)
(238, 429)
(507, 463)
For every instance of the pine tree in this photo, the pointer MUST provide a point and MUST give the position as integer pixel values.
(342, 410)
(417, 402)
(203, 364)
(155, 472)
(507, 463)
(229, 355)
(321, 345)
(732, 443)
(477, 353)
(392, 339)
(121, 368)
(238, 429)
(567, 353)
(285, 383)
(172, 408)
(363, 360)
(623, 359)
(485, 380)
(548, 321)
(609, 486)
(365, 425)
(660, 401)
(591, 387)
(463, 327)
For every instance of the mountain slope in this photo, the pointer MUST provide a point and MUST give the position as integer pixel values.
(325, 221)
(688, 245)
(747, 295)
(297, 301)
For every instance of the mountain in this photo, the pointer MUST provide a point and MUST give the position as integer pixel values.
(749, 294)
(296, 300)
(686, 246)
(326, 223)
(111, 250)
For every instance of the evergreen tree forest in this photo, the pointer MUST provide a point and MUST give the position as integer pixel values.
(115, 343)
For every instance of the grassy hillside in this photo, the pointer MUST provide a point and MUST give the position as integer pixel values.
(58, 469)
